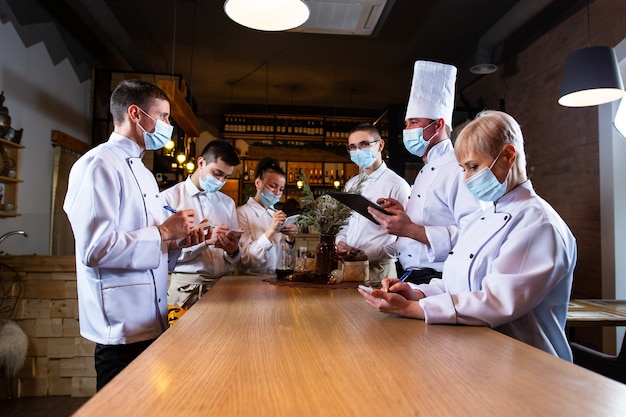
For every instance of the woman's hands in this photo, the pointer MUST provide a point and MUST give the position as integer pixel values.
(276, 225)
(395, 297)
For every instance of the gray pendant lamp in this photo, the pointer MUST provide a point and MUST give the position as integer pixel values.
(268, 15)
(591, 77)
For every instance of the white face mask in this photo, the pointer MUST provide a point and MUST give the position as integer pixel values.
(414, 141)
(210, 184)
(268, 198)
(485, 185)
(161, 135)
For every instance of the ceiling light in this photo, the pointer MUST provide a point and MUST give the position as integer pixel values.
(591, 77)
(268, 15)
(482, 69)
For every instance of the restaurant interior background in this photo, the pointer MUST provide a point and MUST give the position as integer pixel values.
(59, 59)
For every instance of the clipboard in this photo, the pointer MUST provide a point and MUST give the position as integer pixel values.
(358, 203)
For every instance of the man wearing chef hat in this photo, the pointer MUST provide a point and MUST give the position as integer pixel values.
(427, 230)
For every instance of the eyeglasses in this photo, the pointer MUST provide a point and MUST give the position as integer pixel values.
(361, 145)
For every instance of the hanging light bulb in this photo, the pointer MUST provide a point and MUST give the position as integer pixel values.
(268, 15)
(169, 148)
(190, 166)
(181, 158)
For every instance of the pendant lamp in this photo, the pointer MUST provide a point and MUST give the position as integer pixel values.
(268, 15)
(591, 77)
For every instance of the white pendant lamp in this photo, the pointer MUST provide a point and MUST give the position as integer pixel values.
(591, 77)
(268, 15)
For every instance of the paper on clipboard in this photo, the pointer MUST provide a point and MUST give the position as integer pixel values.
(358, 203)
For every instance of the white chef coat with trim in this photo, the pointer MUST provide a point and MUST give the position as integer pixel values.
(512, 270)
(439, 201)
(364, 234)
(114, 207)
(259, 255)
(220, 209)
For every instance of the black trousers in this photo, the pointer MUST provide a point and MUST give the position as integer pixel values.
(423, 276)
(111, 359)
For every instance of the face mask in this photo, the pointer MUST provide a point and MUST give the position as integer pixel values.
(161, 135)
(364, 158)
(268, 198)
(210, 184)
(485, 186)
(414, 141)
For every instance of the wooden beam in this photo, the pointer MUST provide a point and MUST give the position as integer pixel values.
(69, 142)
(181, 110)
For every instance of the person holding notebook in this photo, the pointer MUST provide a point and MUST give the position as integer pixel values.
(365, 147)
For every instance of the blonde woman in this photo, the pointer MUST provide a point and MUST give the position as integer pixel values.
(512, 266)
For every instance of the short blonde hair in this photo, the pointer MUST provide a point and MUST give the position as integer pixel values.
(488, 133)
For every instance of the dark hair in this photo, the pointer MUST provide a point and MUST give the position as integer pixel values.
(220, 149)
(129, 92)
(369, 128)
(266, 165)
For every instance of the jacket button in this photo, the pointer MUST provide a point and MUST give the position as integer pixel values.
(471, 255)
(432, 168)
(451, 252)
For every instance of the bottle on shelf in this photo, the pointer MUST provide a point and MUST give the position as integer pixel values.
(290, 178)
(326, 178)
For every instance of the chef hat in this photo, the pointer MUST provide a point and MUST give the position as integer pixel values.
(432, 92)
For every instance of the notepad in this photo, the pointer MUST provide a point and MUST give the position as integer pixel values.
(290, 220)
(358, 203)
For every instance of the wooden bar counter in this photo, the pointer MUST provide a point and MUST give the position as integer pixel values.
(250, 348)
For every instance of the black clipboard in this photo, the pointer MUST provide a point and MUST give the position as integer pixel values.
(358, 203)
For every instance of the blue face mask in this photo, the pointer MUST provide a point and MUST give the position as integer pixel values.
(414, 141)
(161, 135)
(364, 158)
(210, 184)
(268, 198)
(484, 185)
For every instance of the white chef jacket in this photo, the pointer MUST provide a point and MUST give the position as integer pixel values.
(259, 255)
(220, 209)
(114, 207)
(364, 234)
(512, 270)
(439, 201)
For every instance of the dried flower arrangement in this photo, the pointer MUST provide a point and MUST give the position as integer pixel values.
(325, 213)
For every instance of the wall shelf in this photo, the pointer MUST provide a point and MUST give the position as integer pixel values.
(9, 181)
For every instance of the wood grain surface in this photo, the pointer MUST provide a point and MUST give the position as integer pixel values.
(249, 348)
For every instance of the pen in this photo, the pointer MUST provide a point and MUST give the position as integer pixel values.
(168, 208)
(406, 274)
(403, 278)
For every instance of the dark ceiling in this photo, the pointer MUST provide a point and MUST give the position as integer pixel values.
(227, 64)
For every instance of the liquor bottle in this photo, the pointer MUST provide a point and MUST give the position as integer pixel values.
(326, 178)
(290, 178)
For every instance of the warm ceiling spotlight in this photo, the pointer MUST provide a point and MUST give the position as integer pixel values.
(268, 15)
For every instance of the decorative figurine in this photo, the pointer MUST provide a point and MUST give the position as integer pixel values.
(5, 119)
